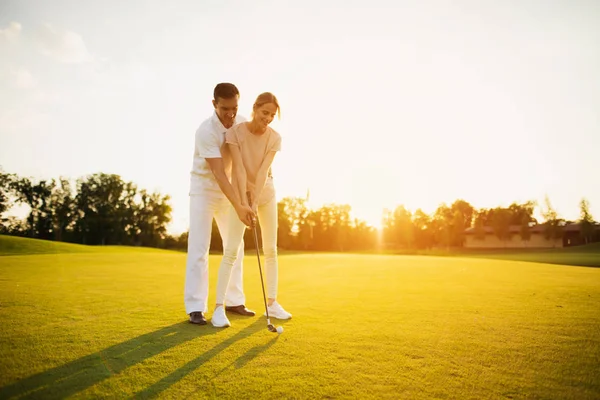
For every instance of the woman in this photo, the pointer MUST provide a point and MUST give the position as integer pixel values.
(253, 146)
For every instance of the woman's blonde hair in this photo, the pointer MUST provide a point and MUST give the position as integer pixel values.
(265, 98)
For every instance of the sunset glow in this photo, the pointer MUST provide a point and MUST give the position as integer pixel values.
(394, 103)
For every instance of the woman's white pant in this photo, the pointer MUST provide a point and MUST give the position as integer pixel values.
(267, 215)
(203, 208)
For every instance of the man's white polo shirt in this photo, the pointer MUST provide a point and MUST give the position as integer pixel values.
(210, 136)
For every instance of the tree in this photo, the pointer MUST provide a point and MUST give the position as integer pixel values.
(8, 225)
(466, 212)
(111, 211)
(458, 229)
(586, 220)
(128, 228)
(341, 226)
(284, 228)
(291, 214)
(99, 206)
(14, 226)
(62, 204)
(37, 197)
(6, 185)
(458, 218)
(182, 241)
(152, 216)
(441, 225)
(552, 224)
(362, 236)
(501, 224)
(310, 228)
(423, 237)
(387, 226)
(521, 212)
(313, 230)
(525, 230)
(328, 228)
(479, 225)
(398, 227)
(449, 223)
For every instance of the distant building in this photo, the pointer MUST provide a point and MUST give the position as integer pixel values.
(570, 235)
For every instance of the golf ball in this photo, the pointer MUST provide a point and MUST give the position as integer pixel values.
(280, 330)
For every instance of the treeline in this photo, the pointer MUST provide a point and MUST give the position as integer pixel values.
(332, 227)
(102, 209)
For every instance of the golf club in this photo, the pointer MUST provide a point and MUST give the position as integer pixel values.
(270, 326)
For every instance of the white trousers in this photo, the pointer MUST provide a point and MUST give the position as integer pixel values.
(203, 208)
(267, 215)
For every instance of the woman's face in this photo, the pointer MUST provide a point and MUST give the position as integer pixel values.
(265, 114)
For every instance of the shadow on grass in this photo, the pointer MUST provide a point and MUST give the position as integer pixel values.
(71, 378)
(250, 355)
(180, 373)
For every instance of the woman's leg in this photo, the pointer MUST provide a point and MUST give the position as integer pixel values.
(235, 290)
(268, 225)
(231, 244)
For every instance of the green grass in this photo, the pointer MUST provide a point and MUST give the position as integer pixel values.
(110, 324)
(561, 257)
(585, 256)
(12, 245)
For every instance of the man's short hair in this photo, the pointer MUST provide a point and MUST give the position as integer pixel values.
(225, 91)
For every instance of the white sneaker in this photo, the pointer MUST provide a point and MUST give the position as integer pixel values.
(276, 311)
(219, 319)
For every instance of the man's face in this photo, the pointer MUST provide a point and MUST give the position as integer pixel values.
(226, 110)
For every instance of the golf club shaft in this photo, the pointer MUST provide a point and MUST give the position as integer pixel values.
(260, 268)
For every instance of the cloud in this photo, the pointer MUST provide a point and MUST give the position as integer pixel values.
(23, 79)
(62, 45)
(11, 32)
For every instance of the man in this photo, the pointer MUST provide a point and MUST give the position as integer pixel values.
(210, 195)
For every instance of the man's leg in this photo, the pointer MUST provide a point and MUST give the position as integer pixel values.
(235, 290)
(202, 209)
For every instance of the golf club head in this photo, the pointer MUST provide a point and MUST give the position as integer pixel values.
(271, 328)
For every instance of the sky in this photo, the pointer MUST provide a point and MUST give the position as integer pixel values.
(383, 102)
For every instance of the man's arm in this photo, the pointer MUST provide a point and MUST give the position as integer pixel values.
(208, 147)
(218, 170)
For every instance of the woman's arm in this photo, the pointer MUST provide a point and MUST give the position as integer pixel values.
(261, 177)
